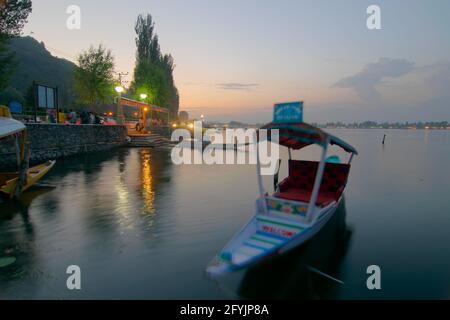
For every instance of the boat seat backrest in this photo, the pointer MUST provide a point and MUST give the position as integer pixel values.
(335, 178)
(302, 175)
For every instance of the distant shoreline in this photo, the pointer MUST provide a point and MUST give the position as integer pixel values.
(441, 126)
(412, 129)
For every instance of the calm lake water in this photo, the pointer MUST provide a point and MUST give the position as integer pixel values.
(142, 228)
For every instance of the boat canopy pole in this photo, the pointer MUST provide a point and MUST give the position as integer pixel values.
(318, 182)
(351, 158)
(276, 176)
(260, 182)
(290, 153)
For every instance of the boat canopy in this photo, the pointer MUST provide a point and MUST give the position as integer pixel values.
(299, 135)
(9, 126)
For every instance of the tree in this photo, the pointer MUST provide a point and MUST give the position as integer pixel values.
(9, 95)
(7, 63)
(153, 73)
(13, 16)
(144, 41)
(183, 116)
(94, 77)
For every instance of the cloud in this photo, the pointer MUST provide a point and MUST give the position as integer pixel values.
(439, 79)
(237, 86)
(195, 84)
(365, 82)
(404, 92)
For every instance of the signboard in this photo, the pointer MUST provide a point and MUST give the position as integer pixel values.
(46, 97)
(288, 112)
(15, 107)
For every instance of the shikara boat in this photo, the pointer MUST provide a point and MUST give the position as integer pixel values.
(16, 131)
(302, 203)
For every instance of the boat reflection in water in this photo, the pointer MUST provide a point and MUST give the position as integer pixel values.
(19, 245)
(306, 272)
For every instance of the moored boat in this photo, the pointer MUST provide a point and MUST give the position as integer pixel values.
(14, 183)
(302, 203)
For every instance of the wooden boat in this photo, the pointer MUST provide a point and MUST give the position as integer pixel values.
(25, 176)
(8, 181)
(302, 203)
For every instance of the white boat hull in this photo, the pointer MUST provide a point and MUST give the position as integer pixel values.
(238, 254)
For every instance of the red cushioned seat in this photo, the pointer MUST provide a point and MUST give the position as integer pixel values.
(302, 174)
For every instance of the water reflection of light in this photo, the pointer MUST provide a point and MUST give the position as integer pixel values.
(148, 193)
(123, 201)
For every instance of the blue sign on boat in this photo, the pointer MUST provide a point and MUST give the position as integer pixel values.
(288, 112)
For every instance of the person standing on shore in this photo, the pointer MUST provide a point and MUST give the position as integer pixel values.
(97, 119)
(85, 117)
(61, 116)
(72, 117)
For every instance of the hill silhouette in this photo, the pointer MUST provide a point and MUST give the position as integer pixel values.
(36, 63)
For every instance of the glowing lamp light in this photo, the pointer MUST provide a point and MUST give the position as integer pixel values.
(143, 96)
(145, 109)
(174, 125)
(119, 89)
(191, 125)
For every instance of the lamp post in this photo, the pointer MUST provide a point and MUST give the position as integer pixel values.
(120, 117)
(144, 110)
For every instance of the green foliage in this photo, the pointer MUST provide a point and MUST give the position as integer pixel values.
(183, 116)
(7, 63)
(94, 77)
(153, 73)
(10, 94)
(13, 16)
(147, 41)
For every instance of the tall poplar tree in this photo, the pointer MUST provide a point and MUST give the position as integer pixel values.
(153, 73)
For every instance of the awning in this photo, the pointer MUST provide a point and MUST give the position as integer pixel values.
(9, 126)
(299, 135)
(138, 104)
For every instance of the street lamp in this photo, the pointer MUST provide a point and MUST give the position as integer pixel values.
(119, 90)
(144, 110)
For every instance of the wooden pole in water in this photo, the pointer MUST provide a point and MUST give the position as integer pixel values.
(384, 139)
(23, 171)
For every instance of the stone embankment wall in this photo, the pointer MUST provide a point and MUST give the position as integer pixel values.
(52, 141)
